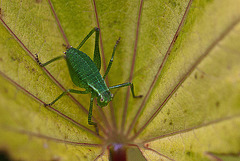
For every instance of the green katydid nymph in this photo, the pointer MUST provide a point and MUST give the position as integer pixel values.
(85, 74)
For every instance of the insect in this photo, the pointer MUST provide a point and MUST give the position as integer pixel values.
(85, 74)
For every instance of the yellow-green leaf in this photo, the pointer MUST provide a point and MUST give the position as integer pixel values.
(182, 56)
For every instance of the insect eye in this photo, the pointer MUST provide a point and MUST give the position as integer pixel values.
(101, 100)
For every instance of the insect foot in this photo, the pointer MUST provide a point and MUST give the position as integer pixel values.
(36, 58)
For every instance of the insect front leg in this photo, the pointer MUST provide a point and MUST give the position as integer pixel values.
(124, 85)
(111, 60)
(65, 92)
(48, 62)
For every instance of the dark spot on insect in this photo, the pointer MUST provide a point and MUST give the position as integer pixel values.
(38, 1)
(164, 121)
(217, 104)
(170, 123)
(195, 76)
(168, 112)
(147, 145)
(89, 149)
(4, 156)
(185, 111)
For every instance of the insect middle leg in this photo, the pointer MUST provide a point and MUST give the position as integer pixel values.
(124, 85)
(65, 92)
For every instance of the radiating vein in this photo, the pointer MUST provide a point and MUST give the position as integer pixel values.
(49, 138)
(160, 69)
(48, 73)
(191, 129)
(199, 60)
(132, 67)
(49, 107)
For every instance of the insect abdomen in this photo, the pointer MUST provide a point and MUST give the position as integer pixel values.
(83, 71)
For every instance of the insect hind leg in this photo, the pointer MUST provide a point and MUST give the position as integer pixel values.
(96, 58)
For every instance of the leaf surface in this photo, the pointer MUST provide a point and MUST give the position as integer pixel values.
(186, 67)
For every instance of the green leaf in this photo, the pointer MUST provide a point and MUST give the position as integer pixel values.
(187, 69)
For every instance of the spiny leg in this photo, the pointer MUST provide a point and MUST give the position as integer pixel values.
(65, 92)
(96, 58)
(124, 85)
(90, 115)
(48, 62)
(86, 38)
(111, 60)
